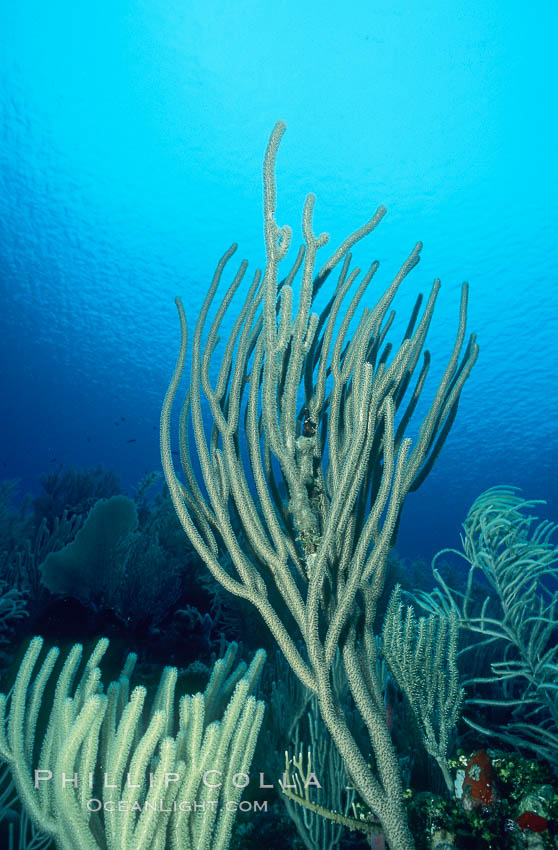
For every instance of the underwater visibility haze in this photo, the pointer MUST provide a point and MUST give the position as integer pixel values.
(327, 460)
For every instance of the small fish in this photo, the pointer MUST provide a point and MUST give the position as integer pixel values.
(133, 440)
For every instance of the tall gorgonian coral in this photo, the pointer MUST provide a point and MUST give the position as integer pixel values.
(306, 454)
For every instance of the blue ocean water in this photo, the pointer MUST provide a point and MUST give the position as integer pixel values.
(132, 140)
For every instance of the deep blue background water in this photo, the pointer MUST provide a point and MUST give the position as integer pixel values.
(132, 139)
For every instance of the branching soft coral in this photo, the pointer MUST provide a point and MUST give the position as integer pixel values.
(511, 551)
